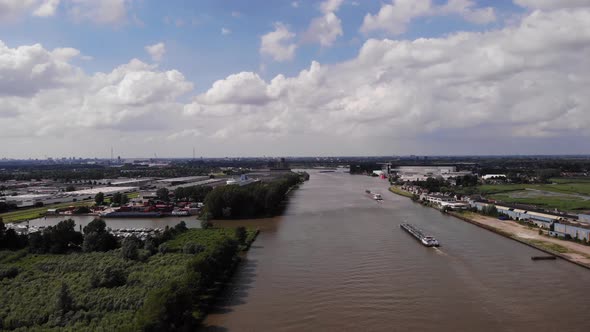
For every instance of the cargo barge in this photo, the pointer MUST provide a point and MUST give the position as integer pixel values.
(131, 214)
(426, 240)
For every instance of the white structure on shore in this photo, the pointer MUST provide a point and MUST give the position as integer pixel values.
(493, 176)
(244, 180)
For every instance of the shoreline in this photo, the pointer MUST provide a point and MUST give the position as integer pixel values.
(573, 252)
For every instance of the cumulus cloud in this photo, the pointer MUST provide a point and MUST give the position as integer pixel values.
(156, 51)
(278, 44)
(394, 17)
(325, 29)
(47, 8)
(330, 6)
(13, 9)
(49, 95)
(97, 11)
(520, 81)
(184, 134)
(552, 4)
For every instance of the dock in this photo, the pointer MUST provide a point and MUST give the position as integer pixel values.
(543, 258)
(419, 235)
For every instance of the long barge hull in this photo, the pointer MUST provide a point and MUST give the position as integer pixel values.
(419, 235)
(132, 215)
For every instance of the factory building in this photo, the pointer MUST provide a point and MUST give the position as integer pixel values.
(421, 173)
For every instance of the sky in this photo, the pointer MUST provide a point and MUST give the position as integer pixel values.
(293, 78)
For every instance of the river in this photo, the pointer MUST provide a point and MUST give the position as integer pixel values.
(338, 261)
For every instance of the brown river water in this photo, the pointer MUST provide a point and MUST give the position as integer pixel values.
(338, 261)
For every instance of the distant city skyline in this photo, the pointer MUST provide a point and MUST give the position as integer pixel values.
(293, 78)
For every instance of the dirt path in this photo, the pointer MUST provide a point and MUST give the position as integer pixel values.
(575, 251)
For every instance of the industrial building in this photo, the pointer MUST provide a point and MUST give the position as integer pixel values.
(421, 173)
(30, 200)
(561, 227)
(181, 180)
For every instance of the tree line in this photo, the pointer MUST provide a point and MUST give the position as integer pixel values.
(250, 201)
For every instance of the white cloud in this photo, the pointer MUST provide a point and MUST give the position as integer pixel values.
(324, 30)
(225, 31)
(156, 51)
(278, 43)
(466, 8)
(26, 70)
(236, 14)
(11, 10)
(330, 6)
(295, 4)
(99, 11)
(552, 4)
(513, 85)
(521, 81)
(393, 18)
(47, 8)
(184, 134)
(47, 94)
(241, 88)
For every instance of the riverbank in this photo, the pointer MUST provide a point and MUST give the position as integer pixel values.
(38, 212)
(26, 214)
(573, 252)
(399, 191)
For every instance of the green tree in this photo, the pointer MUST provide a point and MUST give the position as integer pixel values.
(99, 198)
(56, 239)
(241, 234)
(192, 248)
(130, 248)
(109, 277)
(180, 227)
(206, 224)
(116, 199)
(97, 238)
(64, 301)
(124, 199)
(163, 194)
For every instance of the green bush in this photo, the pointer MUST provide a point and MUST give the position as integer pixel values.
(8, 273)
(130, 248)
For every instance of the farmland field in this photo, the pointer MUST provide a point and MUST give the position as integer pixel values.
(567, 194)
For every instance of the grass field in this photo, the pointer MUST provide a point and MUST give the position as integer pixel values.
(212, 236)
(563, 203)
(560, 194)
(549, 246)
(582, 188)
(398, 191)
(34, 213)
